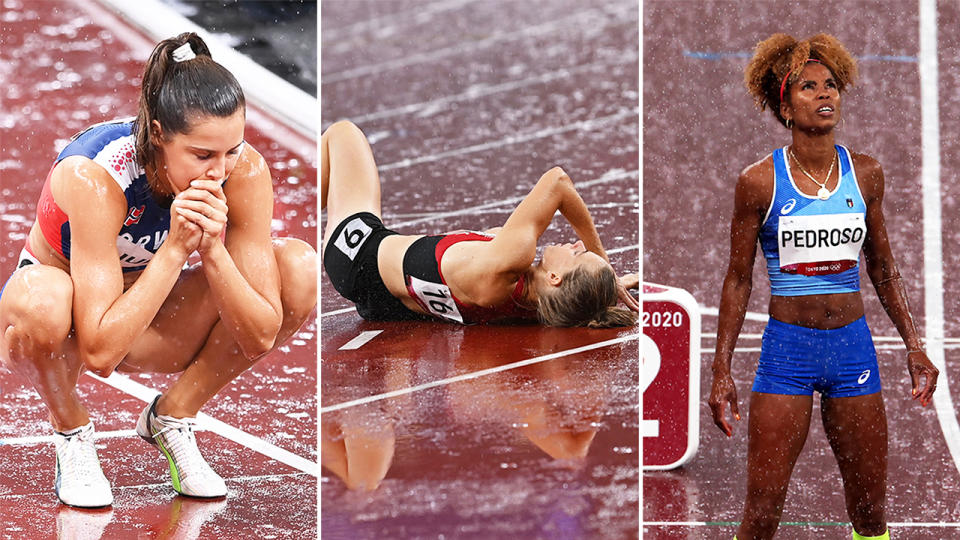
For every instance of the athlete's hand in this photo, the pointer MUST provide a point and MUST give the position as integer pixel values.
(205, 205)
(724, 391)
(184, 236)
(919, 367)
(628, 281)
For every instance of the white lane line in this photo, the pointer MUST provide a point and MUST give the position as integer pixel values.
(360, 340)
(877, 339)
(385, 25)
(610, 176)
(583, 125)
(477, 374)
(38, 439)
(594, 19)
(146, 394)
(939, 524)
(338, 312)
(614, 251)
(932, 224)
(428, 108)
(750, 316)
(215, 503)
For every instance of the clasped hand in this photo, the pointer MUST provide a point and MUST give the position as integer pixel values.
(198, 216)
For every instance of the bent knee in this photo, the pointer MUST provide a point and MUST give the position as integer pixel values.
(297, 264)
(38, 303)
(343, 128)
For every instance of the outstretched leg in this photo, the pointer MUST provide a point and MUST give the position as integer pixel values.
(349, 181)
(857, 430)
(778, 430)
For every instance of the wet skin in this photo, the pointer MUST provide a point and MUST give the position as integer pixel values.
(778, 425)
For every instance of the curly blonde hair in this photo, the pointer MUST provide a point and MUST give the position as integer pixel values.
(782, 56)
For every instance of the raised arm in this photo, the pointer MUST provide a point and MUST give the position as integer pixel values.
(883, 272)
(106, 319)
(242, 270)
(751, 198)
(516, 243)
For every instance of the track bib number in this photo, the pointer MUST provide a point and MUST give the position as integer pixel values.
(435, 298)
(352, 237)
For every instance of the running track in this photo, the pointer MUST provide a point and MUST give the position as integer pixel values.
(700, 130)
(66, 65)
(485, 431)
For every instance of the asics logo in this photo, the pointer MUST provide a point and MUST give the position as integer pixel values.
(785, 209)
(864, 376)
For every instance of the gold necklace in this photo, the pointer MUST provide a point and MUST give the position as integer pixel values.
(823, 193)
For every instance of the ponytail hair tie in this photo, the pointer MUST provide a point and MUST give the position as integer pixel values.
(183, 53)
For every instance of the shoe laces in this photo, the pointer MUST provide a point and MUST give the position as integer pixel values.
(78, 457)
(180, 441)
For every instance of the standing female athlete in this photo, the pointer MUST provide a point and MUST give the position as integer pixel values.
(812, 206)
(101, 283)
(463, 277)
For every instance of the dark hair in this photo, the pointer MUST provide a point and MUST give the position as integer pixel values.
(584, 298)
(173, 92)
(782, 56)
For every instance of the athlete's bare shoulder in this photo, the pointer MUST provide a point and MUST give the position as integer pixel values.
(755, 184)
(869, 175)
(250, 164)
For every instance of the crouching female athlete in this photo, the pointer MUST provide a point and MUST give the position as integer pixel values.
(463, 277)
(101, 283)
(812, 205)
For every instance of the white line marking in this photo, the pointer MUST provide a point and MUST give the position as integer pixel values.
(477, 374)
(583, 125)
(589, 20)
(714, 524)
(360, 340)
(381, 25)
(229, 480)
(614, 251)
(877, 339)
(146, 394)
(609, 176)
(750, 315)
(338, 312)
(428, 108)
(932, 224)
(39, 439)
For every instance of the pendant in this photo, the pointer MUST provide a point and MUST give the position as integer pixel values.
(823, 193)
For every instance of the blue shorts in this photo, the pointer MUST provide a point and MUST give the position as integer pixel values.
(795, 360)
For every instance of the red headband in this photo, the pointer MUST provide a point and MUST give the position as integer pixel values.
(784, 83)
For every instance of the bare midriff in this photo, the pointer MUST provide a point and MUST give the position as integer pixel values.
(823, 311)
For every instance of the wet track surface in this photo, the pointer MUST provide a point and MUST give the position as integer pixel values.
(65, 66)
(700, 130)
(466, 104)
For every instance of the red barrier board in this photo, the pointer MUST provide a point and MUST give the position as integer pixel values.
(670, 377)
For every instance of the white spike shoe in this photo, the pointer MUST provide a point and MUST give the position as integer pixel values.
(191, 474)
(80, 481)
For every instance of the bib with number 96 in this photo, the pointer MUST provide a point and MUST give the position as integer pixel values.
(435, 298)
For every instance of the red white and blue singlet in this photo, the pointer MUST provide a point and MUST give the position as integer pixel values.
(812, 246)
(111, 145)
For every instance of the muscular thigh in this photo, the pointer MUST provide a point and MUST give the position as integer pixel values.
(354, 183)
(179, 330)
